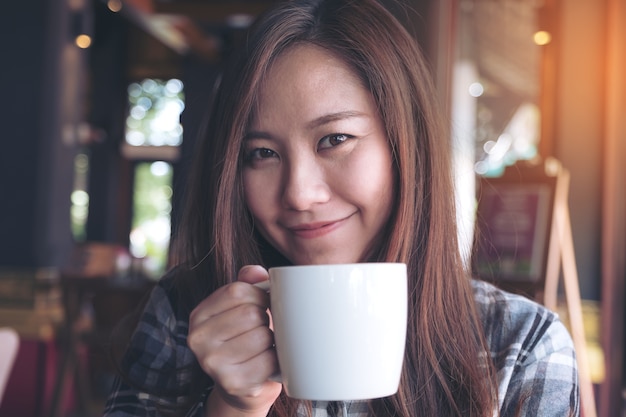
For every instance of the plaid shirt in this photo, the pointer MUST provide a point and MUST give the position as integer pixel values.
(532, 351)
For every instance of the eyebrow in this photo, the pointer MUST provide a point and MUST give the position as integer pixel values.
(317, 122)
(332, 117)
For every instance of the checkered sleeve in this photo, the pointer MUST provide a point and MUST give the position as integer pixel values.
(533, 354)
(155, 363)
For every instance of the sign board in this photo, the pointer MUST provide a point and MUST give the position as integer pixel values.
(513, 225)
(523, 242)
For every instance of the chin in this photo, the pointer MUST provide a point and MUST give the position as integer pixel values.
(326, 260)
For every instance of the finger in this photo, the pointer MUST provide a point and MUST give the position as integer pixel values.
(248, 356)
(226, 298)
(210, 334)
(244, 347)
(237, 379)
(253, 274)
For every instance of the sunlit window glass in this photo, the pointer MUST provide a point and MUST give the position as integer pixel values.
(80, 198)
(150, 233)
(517, 141)
(153, 136)
(496, 86)
(154, 113)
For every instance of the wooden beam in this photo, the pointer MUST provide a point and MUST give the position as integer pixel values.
(213, 12)
(614, 212)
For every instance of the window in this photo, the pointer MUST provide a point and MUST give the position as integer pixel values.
(153, 136)
(153, 128)
(150, 229)
(79, 208)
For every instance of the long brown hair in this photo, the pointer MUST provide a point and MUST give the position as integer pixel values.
(447, 370)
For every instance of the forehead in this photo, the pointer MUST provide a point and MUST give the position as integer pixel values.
(310, 72)
(309, 55)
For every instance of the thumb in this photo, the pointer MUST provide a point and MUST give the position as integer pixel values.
(253, 274)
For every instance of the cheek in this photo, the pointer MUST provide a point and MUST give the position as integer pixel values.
(378, 188)
(383, 189)
(373, 178)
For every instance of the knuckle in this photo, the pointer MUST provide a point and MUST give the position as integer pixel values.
(211, 365)
(237, 290)
(252, 313)
(196, 340)
(192, 340)
(194, 314)
(232, 385)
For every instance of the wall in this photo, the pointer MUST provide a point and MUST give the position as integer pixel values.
(22, 62)
(579, 128)
(35, 168)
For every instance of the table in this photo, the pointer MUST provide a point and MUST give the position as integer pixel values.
(80, 293)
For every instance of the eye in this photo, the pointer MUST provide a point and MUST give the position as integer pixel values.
(258, 154)
(333, 140)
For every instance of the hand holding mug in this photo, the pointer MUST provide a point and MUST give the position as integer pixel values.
(339, 334)
(229, 334)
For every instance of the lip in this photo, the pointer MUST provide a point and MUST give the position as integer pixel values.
(317, 229)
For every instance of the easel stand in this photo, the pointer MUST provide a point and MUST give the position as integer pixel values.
(561, 254)
(524, 245)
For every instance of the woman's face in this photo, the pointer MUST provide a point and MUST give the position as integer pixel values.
(318, 177)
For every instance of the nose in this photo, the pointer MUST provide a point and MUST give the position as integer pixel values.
(304, 185)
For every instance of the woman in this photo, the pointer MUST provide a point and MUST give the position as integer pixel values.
(324, 146)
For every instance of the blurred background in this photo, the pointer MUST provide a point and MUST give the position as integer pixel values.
(104, 100)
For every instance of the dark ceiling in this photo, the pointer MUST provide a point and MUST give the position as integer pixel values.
(497, 35)
(500, 31)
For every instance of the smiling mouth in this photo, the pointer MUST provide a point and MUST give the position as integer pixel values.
(314, 230)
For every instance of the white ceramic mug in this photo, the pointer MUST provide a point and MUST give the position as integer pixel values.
(339, 330)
